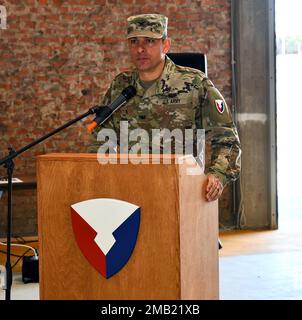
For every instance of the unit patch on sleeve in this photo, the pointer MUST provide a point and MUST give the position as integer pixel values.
(220, 106)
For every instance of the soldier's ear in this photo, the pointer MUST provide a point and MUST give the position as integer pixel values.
(167, 45)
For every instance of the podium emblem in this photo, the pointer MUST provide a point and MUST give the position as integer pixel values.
(106, 232)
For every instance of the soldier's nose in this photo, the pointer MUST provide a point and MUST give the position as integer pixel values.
(140, 49)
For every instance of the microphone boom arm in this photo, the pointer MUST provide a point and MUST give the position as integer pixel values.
(102, 114)
(16, 153)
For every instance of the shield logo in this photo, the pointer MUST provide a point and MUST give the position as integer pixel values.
(219, 105)
(106, 232)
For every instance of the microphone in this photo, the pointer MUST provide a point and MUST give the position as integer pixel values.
(105, 112)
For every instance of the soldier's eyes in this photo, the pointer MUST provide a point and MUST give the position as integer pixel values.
(148, 42)
(133, 42)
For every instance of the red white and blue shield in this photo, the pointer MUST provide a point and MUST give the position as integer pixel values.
(220, 106)
(106, 232)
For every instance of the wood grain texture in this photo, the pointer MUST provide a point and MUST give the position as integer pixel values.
(198, 237)
(153, 270)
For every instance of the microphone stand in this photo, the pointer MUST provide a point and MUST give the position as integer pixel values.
(8, 163)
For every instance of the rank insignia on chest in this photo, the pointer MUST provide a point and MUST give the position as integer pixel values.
(220, 106)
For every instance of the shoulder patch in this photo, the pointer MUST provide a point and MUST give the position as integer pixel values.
(220, 106)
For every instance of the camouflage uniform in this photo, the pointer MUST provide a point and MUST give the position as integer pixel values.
(147, 25)
(182, 98)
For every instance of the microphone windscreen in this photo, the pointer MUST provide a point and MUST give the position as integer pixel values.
(129, 92)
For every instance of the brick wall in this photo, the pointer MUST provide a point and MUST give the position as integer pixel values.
(58, 57)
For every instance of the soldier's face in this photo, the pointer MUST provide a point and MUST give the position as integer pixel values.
(148, 54)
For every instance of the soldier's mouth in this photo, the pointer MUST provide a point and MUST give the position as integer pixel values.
(142, 59)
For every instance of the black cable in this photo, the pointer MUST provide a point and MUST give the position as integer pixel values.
(20, 258)
(14, 255)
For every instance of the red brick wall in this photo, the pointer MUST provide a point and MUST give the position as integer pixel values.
(58, 57)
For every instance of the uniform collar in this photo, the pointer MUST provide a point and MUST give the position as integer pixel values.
(158, 86)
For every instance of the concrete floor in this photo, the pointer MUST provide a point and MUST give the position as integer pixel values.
(271, 276)
(274, 271)
(264, 264)
(21, 291)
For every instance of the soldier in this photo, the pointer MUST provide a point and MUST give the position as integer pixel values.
(171, 96)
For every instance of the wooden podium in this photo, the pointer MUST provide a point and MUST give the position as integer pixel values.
(176, 253)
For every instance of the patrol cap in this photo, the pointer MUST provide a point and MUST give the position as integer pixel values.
(147, 25)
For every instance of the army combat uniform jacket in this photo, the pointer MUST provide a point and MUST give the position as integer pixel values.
(181, 98)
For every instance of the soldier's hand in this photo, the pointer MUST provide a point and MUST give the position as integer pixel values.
(214, 188)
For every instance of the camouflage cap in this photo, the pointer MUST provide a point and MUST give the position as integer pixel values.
(147, 25)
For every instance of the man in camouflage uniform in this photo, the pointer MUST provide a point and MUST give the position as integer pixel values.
(171, 96)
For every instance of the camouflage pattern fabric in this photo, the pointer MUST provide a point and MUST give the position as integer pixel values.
(147, 25)
(182, 98)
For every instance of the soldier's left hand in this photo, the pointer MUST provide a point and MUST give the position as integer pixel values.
(214, 188)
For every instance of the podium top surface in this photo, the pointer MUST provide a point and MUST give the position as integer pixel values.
(94, 156)
(67, 156)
